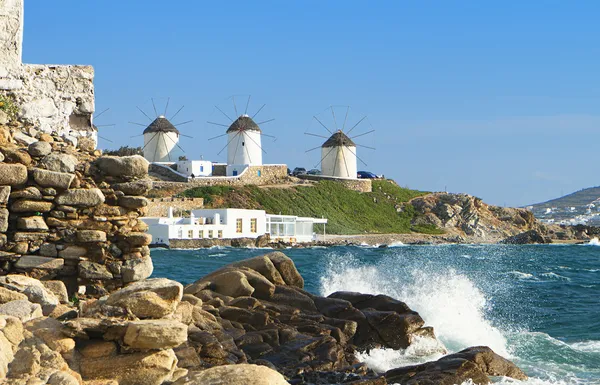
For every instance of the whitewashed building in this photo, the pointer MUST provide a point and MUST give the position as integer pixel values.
(231, 224)
(195, 168)
(244, 145)
(338, 157)
(160, 139)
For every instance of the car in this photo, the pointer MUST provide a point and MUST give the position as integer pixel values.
(314, 171)
(299, 171)
(366, 175)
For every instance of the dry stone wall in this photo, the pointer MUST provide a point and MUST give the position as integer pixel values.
(159, 207)
(360, 185)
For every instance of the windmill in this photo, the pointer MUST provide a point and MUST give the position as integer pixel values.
(97, 127)
(244, 144)
(339, 151)
(161, 136)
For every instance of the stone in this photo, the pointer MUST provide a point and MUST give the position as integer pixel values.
(263, 266)
(30, 236)
(23, 138)
(137, 269)
(240, 374)
(4, 194)
(72, 252)
(36, 223)
(86, 236)
(24, 206)
(57, 288)
(39, 149)
(16, 155)
(21, 309)
(48, 250)
(46, 138)
(132, 202)
(62, 378)
(140, 187)
(10, 295)
(155, 334)
(287, 269)
(148, 368)
(13, 174)
(97, 349)
(30, 192)
(91, 270)
(59, 180)
(135, 239)
(29, 262)
(59, 162)
(31, 287)
(125, 166)
(12, 329)
(4, 214)
(81, 197)
(152, 298)
(86, 144)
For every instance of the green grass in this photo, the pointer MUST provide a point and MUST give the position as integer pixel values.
(348, 212)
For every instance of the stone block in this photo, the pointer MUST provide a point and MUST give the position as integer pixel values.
(124, 167)
(155, 334)
(30, 237)
(60, 162)
(25, 206)
(39, 149)
(31, 193)
(57, 288)
(137, 269)
(22, 309)
(4, 220)
(29, 262)
(36, 223)
(85, 236)
(13, 174)
(132, 202)
(4, 194)
(48, 250)
(92, 270)
(81, 197)
(72, 252)
(59, 180)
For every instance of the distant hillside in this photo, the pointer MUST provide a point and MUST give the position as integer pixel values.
(579, 207)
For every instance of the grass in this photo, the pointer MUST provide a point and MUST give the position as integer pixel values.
(348, 212)
(8, 106)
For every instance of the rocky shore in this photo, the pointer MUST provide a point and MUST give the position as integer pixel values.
(250, 322)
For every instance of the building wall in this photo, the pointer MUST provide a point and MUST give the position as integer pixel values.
(11, 36)
(196, 167)
(360, 185)
(159, 145)
(159, 207)
(244, 148)
(339, 162)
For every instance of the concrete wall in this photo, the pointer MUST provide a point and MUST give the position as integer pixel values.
(11, 38)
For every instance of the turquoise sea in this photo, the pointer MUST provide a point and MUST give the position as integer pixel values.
(538, 305)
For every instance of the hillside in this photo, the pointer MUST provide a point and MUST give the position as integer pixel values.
(349, 212)
(578, 207)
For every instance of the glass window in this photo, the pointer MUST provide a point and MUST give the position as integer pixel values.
(200, 233)
(253, 225)
(238, 225)
(201, 168)
(190, 233)
(220, 234)
(210, 233)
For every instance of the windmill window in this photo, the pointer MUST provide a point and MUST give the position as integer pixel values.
(258, 173)
(201, 168)
(243, 143)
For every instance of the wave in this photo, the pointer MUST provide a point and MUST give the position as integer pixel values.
(555, 276)
(594, 242)
(521, 275)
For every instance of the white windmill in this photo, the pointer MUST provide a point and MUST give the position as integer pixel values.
(244, 144)
(339, 157)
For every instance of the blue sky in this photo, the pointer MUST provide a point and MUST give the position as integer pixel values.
(495, 99)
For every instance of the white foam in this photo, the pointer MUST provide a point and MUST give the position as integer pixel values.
(521, 275)
(555, 276)
(396, 244)
(586, 346)
(594, 242)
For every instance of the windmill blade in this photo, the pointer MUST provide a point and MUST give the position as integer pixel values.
(154, 106)
(323, 158)
(100, 114)
(268, 136)
(346, 118)
(235, 153)
(219, 153)
(174, 142)
(259, 146)
(321, 123)
(359, 122)
(337, 155)
(334, 121)
(259, 110)
(266, 121)
(312, 149)
(108, 140)
(227, 116)
(177, 113)
(247, 104)
(150, 141)
(215, 137)
(358, 136)
(218, 124)
(167, 106)
(234, 105)
(353, 153)
(105, 125)
(187, 136)
(248, 153)
(155, 148)
(345, 164)
(166, 148)
(311, 134)
(370, 148)
(181, 124)
(135, 136)
(138, 124)
(146, 115)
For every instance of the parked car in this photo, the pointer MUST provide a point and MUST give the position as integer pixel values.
(314, 171)
(366, 175)
(299, 171)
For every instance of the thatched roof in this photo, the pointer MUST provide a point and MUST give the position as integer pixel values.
(339, 139)
(243, 123)
(161, 124)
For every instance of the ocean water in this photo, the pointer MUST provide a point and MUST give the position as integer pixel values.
(537, 305)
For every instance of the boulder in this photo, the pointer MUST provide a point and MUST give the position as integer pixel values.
(136, 239)
(149, 368)
(29, 262)
(13, 174)
(59, 162)
(36, 223)
(57, 288)
(30, 192)
(27, 206)
(137, 269)
(92, 270)
(39, 149)
(97, 349)
(32, 288)
(86, 236)
(16, 155)
(21, 309)
(140, 187)
(81, 197)
(155, 334)
(55, 179)
(133, 202)
(264, 266)
(62, 378)
(287, 269)
(124, 167)
(527, 237)
(152, 298)
(10, 295)
(241, 374)
(86, 144)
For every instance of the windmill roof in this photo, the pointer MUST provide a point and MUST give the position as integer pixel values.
(161, 124)
(338, 139)
(243, 123)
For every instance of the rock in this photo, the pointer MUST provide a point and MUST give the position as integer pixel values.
(138, 239)
(150, 368)
(132, 202)
(264, 266)
(23, 138)
(97, 349)
(62, 378)
(59, 162)
(59, 180)
(25, 206)
(86, 144)
(474, 364)
(13, 174)
(48, 250)
(30, 192)
(81, 197)
(12, 329)
(32, 288)
(21, 309)
(286, 268)
(39, 149)
(73, 252)
(91, 270)
(29, 262)
(4, 214)
(241, 374)
(140, 187)
(86, 236)
(36, 223)
(4, 194)
(10, 295)
(137, 269)
(528, 237)
(155, 334)
(16, 155)
(57, 288)
(152, 298)
(124, 167)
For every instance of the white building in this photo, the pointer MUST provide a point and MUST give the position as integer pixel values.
(195, 168)
(160, 139)
(338, 157)
(231, 224)
(244, 145)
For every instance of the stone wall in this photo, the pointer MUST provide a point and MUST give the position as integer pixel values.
(360, 185)
(159, 207)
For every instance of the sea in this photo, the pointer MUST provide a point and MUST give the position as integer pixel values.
(538, 305)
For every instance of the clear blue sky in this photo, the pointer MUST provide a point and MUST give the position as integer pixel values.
(495, 99)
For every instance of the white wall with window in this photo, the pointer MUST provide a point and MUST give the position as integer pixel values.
(195, 167)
